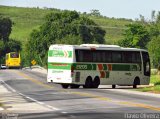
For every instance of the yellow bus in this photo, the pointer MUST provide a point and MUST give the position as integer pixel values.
(13, 60)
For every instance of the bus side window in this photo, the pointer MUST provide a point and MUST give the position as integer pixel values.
(127, 57)
(97, 56)
(80, 56)
(77, 55)
(136, 58)
(108, 56)
(83, 56)
(116, 57)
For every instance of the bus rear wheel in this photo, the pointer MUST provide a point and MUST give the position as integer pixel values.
(65, 86)
(96, 82)
(88, 83)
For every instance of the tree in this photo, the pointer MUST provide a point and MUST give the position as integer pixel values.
(13, 46)
(153, 15)
(154, 44)
(6, 44)
(2, 48)
(95, 12)
(154, 51)
(5, 28)
(136, 35)
(66, 27)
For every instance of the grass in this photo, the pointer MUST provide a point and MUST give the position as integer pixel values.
(24, 19)
(27, 19)
(155, 79)
(114, 28)
(1, 104)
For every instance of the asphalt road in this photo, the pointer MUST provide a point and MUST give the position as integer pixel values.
(102, 103)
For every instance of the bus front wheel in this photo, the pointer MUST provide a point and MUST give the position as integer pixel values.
(136, 82)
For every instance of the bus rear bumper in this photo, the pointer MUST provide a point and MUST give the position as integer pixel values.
(59, 80)
(14, 66)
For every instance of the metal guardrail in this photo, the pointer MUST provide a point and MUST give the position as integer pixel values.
(33, 67)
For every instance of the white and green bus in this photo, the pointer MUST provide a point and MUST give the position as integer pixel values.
(91, 65)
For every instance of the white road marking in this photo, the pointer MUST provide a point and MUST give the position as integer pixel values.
(13, 90)
(38, 102)
(51, 107)
(64, 112)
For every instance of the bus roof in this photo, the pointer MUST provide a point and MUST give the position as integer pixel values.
(95, 47)
(100, 45)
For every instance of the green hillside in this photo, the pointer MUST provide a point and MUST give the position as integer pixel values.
(27, 19)
(114, 27)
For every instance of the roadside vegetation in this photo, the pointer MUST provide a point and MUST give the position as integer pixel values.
(1, 105)
(155, 80)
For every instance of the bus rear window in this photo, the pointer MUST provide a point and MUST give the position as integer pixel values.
(14, 55)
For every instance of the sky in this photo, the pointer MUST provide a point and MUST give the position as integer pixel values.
(130, 9)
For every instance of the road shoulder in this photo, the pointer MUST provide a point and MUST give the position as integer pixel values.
(12, 101)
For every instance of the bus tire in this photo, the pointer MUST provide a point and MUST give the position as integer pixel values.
(134, 86)
(113, 86)
(74, 86)
(88, 83)
(96, 82)
(65, 86)
(136, 82)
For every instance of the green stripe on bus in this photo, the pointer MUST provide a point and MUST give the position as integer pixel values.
(94, 66)
(105, 67)
(65, 66)
(125, 67)
(60, 53)
(120, 67)
(83, 66)
(69, 53)
(107, 74)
